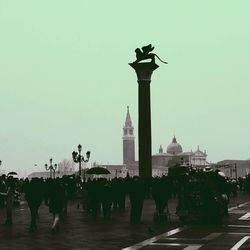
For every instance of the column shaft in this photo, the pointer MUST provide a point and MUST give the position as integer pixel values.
(145, 151)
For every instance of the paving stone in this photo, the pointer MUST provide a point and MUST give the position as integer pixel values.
(78, 231)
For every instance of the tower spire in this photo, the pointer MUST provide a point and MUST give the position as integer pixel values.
(128, 122)
(174, 140)
(160, 150)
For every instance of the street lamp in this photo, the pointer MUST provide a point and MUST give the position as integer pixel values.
(78, 158)
(52, 168)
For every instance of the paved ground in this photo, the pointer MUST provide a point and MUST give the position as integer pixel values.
(78, 231)
(234, 234)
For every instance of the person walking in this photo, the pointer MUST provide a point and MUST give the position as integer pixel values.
(9, 196)
(33, 195)
(106, 199)
(3, 190)
(137, 193)
(55, 200)
(161, 193)
(94, 197)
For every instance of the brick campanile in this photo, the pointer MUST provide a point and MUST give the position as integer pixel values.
(128, 141)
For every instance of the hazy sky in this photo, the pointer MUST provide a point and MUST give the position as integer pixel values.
(65, 78)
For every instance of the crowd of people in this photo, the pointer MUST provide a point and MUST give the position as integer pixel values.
(201, 196)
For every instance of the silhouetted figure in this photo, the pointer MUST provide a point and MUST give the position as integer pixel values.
(214, 197)
(86, 196)
(9, 196)
(2, 190)
(106, 198)
(233, 187)
(161, 192)
(94, 198)
(122, 187)
(115, 188)
(33, 195)
(183, 194)
(137, 192)
(65, 180)
(119, 189)
(55, 200)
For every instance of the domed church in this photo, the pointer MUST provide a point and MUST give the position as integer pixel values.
(175, 155)
(174, 148)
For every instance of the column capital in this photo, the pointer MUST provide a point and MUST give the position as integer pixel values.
(144, 70)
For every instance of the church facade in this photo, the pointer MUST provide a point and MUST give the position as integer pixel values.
(174, 155)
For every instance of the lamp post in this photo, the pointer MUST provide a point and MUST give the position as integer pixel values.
(78, 158)
(52, 168)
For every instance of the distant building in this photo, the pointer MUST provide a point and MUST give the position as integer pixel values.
(174, 155)
(234, 168)
(43, 175)
(198, 158)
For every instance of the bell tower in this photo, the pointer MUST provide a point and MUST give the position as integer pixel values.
(128, 140)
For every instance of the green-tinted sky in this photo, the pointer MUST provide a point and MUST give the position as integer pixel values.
(65, 78)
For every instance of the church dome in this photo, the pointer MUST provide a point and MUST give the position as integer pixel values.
(174, 147)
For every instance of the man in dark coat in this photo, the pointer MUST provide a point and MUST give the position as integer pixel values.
(2, 189)
(33, 195)
(161, 192)
(137, 192)
(55, 200)
(106, 199)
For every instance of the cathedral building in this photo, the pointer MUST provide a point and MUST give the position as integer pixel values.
(175, 155)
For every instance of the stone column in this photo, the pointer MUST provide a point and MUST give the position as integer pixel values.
(144, 72)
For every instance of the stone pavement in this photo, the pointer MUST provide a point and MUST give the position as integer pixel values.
(233, 234)
(78, 231)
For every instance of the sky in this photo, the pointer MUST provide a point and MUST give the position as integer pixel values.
(65, 78)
